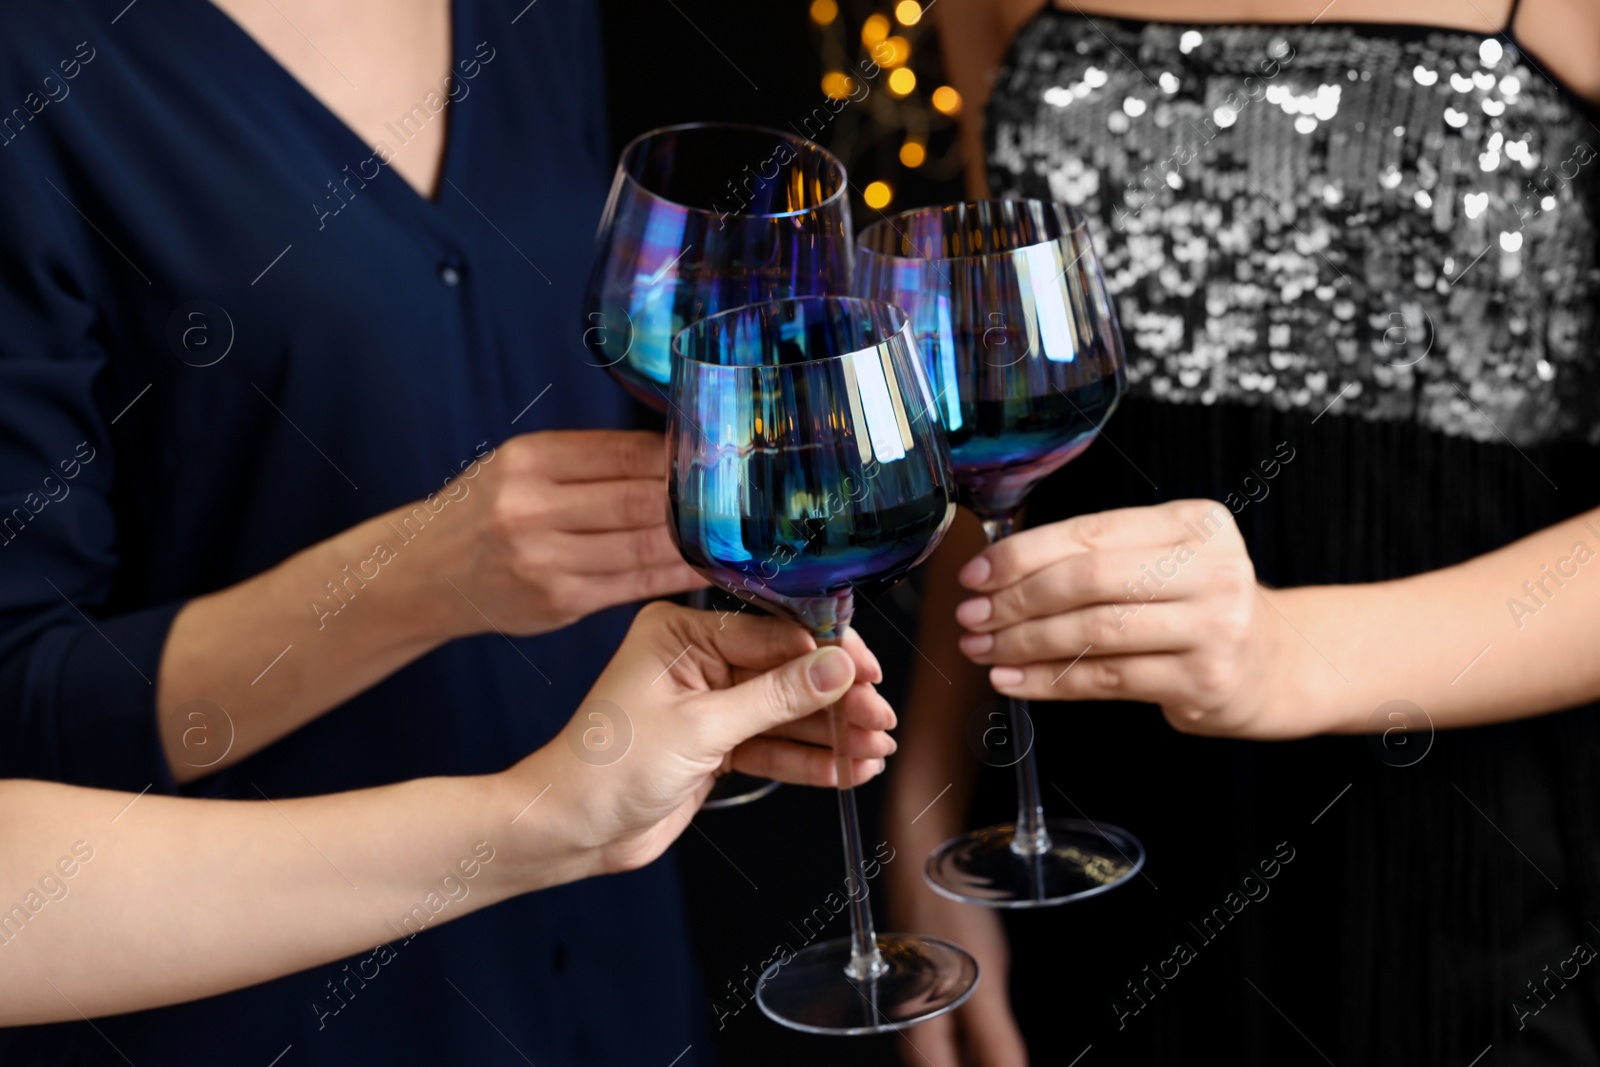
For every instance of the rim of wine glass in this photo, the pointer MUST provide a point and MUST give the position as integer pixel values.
(894, 309)
(1079, 224)
(748, 127)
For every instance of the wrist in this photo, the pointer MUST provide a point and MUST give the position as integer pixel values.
(545, 822)
(421, 578)
(1311, 692)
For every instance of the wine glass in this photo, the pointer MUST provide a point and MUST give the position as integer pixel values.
(805, 466)
(1022, 346)
(702, 218)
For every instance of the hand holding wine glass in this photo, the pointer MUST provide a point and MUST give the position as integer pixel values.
(1155, 604)
(1024, 352)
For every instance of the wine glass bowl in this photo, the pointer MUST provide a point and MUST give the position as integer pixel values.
(702, 218)
(806, 464)
(1018, 333)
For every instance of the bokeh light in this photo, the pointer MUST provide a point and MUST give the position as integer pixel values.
(893, 52)
(908, 12)
(823, 12)
(912, 154)
(947, 100)
(836, 84)
(877, 195)
(902, 81)
(874, 31)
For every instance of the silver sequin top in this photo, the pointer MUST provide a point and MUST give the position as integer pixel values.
(1386, 221)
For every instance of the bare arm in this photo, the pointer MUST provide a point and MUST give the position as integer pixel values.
(531, 536)
(111, 902)
(973, 36)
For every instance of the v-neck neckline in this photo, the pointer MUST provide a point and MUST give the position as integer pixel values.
(338, 128)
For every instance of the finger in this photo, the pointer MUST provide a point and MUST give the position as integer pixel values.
(796, 764)
(750, 643)
(1154, 679)
(611, 552)
(598, 455)
(1126, 576)
(626, 504)
(786, 693)
(601, 591)
(1022, 554)
(868, 669)
(931, 1044)
(817, 729)
(863, 705)
(1106, 629)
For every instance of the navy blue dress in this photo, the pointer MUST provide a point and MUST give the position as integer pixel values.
(228, 331)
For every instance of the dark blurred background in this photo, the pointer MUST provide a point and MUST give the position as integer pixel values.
(752, 871)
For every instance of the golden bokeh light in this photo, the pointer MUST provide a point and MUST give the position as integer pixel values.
(877, 195)
(947, 100)
(874, 30)
(908, 12)
(823, 12)
(912, 154)
(902, 81)
(893, 52)
(836, 85)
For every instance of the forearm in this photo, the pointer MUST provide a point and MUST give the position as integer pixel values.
(973, 41)
(1504, 636)
(245, 666)
(169, 899)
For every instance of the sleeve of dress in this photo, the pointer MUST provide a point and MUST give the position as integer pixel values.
(77, 681)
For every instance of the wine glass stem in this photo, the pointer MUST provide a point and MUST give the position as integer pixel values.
(1030, 838)
(865, 961)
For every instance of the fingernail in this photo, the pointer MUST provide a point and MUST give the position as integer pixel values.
(882, 765)
(975, 611)
(975, 573)
(1001, 677)
(894, 746)
(977, 644)
(830, 669)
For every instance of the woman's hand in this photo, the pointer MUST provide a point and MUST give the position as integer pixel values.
(687, 695)
(1155, 604)
(555, 526)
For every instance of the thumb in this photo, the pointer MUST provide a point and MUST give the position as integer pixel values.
(793, 691)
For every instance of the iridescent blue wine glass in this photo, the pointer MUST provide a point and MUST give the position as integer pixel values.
(806, 466)
(702, 218)
(1022, 347)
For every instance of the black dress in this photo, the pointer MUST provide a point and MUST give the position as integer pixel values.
(1356, 270)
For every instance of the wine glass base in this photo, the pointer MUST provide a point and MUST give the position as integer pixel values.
(925, 977)
(734, 789)
(1083, 859)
